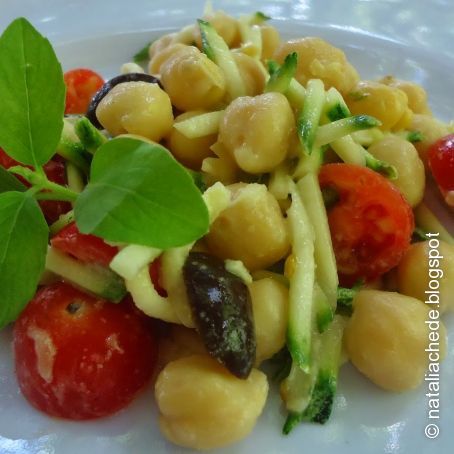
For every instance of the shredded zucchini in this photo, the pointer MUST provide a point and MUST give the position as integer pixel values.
(217, 50)
(200, 125)
(131, 259)
(309, 118)
(326, 272)
(299, 332)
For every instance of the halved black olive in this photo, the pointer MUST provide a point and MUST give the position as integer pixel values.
(131, 77)
(222, 310)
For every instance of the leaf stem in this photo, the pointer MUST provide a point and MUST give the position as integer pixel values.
(39, 180)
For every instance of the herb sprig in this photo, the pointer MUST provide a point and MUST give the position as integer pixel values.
(137, 193)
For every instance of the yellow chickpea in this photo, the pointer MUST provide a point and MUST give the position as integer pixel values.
(420, 265)
(159, 58)
(192, 81)
(179, 342)
(403, 155)
(257, 131)
(161, 43)
(271, 40)
(190, 152)
(252, 73)
(270, 307)
(136, 108)
(386, 338)
(318, 59)
(226, 26)
(417, 96)
(203, 406)
(388, 104)
(251, 229)
(431, 130)
(221, 168)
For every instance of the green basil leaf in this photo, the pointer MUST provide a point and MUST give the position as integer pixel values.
(32, 95)
(23, 244)
(139, 194)
(9, 182)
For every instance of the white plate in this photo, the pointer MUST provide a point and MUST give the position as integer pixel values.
(382, 37)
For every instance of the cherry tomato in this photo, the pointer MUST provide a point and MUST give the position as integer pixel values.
(441, 163)
(55, 171)
(79, 357)
(155, 273)
(371, 224)
(92, 249)
(81, 86)
(86, 248)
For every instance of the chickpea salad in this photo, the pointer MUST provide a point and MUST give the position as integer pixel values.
(230, 202)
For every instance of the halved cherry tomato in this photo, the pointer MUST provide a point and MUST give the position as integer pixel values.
(86, 248)
(441, 163)
(55, 171)
(79, 357)
(371, 224)
(92, 249)
(81, 86)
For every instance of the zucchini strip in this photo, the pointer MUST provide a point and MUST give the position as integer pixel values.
(299, 331)
(131, 259)
(147, 299)
(309, 118)
(217, 50)
(343, 127)
(335, 107)
(426, 220)
(280, 79)
(326, 270)
(200, 125)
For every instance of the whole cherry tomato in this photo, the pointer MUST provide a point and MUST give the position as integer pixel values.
(81, 86)
(79, 357)
(441, 163)
(55, 171)
(371, 224)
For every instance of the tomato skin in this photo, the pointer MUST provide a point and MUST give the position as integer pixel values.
(79, 357)
(81, 86)
(55, 171)
(92, 249)
(86, 248)
(441, 162)
(371, 224)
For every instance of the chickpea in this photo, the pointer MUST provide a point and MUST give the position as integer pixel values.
(221, 168)
(159, 58)
(413, 273)
(386, 339)
(271, 40)
(203, 406)
(388, 104)
(160, 44)
(252, 73)
(257, 131)
(318, 59)
(190, 152)
(136, 108)
(192, 81)
(417, 96)
(179, 342)
(270, 307)
(431, 130)
(403, 155)
(251, 229)
(226, 26)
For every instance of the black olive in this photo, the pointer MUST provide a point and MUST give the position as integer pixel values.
(222, 310)
(131, 77)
